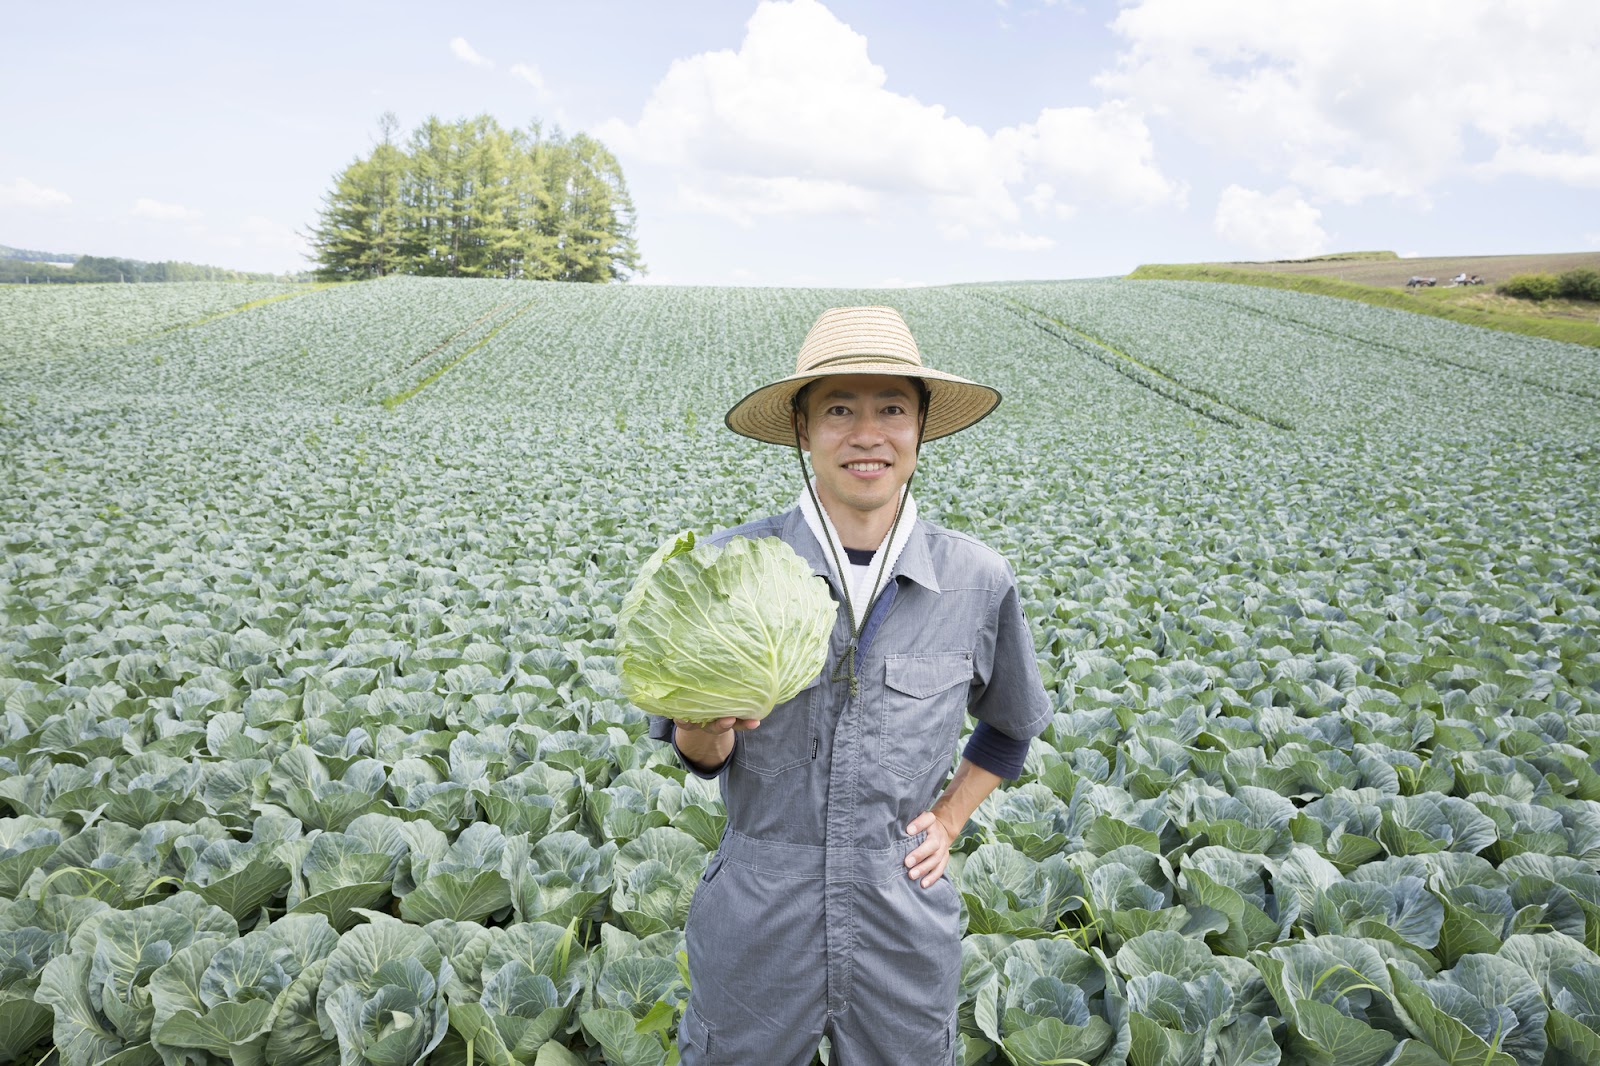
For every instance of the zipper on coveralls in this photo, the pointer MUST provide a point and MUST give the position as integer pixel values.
(856, 692)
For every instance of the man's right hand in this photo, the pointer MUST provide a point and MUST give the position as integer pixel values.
(708, 744)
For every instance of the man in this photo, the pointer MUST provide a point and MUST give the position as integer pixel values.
(826, 909)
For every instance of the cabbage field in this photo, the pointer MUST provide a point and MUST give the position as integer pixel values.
(313, 749)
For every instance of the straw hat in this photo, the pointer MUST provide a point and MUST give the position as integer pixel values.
(861, 340)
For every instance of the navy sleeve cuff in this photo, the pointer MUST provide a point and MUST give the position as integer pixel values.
(997, 752)
(661, 729)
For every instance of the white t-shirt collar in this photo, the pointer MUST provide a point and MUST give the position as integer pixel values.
(862, 579)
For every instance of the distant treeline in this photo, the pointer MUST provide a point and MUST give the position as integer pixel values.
(40, 257)
(16, 271)
(472, 199)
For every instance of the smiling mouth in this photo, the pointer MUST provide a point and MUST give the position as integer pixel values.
(867, 466)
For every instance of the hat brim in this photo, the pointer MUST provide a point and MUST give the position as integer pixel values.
(954, 403)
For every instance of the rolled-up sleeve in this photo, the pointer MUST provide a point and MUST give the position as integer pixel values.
(997, 753)
(1007, 692)
(661, 729)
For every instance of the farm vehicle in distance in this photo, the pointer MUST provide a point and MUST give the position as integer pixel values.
(1416, 282)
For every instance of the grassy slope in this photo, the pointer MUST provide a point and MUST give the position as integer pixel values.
(1531, 325)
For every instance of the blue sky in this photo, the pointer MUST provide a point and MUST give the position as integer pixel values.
(851, 143)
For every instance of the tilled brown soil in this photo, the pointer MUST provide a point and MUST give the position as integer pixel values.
(1394, 272)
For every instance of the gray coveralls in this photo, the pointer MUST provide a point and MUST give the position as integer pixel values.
(805, 921)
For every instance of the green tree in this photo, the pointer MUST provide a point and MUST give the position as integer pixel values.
(590, 218)
(387, 177)
(361, 233)
(488, 228)
(430, 201)
(530, 252)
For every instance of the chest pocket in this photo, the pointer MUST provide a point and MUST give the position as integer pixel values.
(785, 738)
(924, 699)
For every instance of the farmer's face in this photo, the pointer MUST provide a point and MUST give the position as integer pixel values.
(861, 431)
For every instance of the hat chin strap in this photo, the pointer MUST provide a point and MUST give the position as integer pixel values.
(847, 665)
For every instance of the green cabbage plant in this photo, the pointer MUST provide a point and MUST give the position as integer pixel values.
(707, 632)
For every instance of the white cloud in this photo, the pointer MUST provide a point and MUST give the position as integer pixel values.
(467, 54)
(1044, 200)
(742, 198)
(147, 208)
(1019, 242)
(802, 114)
(1566, 168)
(1276, 226)
(1105, 152)
(24, 193)
(529, 74)
(1369, 98)
(801, 97)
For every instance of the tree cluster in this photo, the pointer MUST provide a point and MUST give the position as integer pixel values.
(473, 199)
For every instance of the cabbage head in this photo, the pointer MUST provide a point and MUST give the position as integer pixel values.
(707, 632)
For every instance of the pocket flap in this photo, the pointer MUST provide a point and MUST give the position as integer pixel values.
(922, 676)
(694, 1031)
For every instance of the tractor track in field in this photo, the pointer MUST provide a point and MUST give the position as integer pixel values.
(379, 382)
(442, 345)
(250, 305)
(395, 400)
(205, 320)
(1200, 400)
